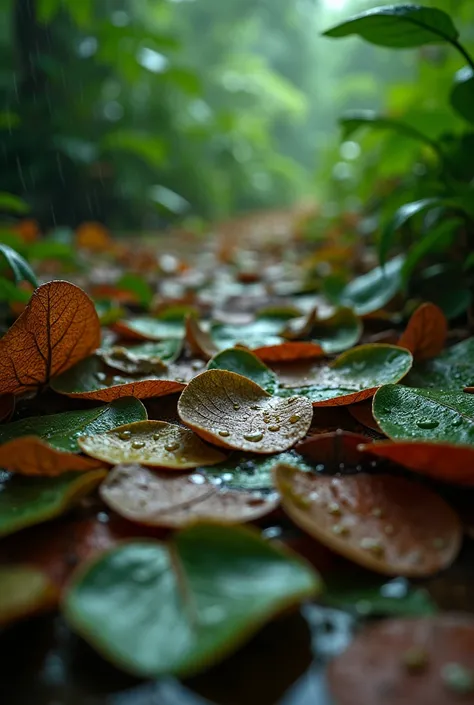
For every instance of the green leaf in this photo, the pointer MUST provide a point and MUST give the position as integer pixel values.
(405, 413)
(247, 364)
(439, 237)
(247, 471)
(462, 94)
(156, 328)
(184, 605)
(399, 26)
(355, 374)
(62, 430)
(374, 290)
(354, 120)
(445, 286)
(376, 599)
(257, 334)
(453, 369)
(149, 148)
(334, 333)
(401, 218)
(51, 249)
(20, 268)
(10, 292)
(138, 286)
(25, 501)
(13, 204)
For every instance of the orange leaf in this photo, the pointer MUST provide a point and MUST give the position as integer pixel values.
(289, 352)
(58, 328)
(442, 461)
(142, 389)
(199, 341)
(426, 332)
(29, 455)
(28, 230)
(93, 236)
(362, 412)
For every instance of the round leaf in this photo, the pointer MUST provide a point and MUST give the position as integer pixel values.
(154, 443)
(372, 291)
(232, 411)
(247, 471)
(245, 363)
(426, 332)
(185, 605)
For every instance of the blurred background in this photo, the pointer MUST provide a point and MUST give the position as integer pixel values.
(144, 114)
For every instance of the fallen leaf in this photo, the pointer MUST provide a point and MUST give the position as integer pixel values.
(154, 443)
(426, 333)
(362, 412)
(261, 332)
(144, 359)
(29, 455)
(58, 328)
(353, 376)
(374, 290)
(232, 411)
(244, 362)
(338, 450)
(94, 237)
(24, 591)
(62, 430)
(147, 328)
(335, 332)
(406, 413)
(7, 406)
(441, 461)
(453, 369)
(381, 522)
(199, 340)
(247, 471)
(25, 501)
(418, 661)
(288, 351)
(175, 501)
(187, 604)
(89, 380)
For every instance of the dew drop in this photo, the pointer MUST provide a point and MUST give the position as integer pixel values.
(224, 433)
(340, 530)
(458, 679)
(125, 435)
(319, 467)
(236, 406)
(415, 659)
(294, 418)
(253, 437)
(372, 545)
(156, 437)
(103, 518)
(274, 428)
(180, 379)
(197, 479)
(172, 446)
(101, 376)
(334, 508)
(377, 512)
(427, 423)
(255, 407)
(138, 444)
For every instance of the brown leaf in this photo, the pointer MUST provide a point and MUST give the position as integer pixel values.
(333, 450)
(289, 352)
(406, 662)
(153, 443)
(58, 328)
(234, 412)
(381, 522)
(362, 412)
(175, 501)
(199, 341)
(94, 237)
(29, 455)
(426, 332)
(7, 406)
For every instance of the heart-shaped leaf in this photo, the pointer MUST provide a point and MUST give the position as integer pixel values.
(399, 26)
(334, 333)
(24, 591)
(462, 95)
(58, 328)
(162, 499)
(381, 522)
(154, 443)
(20, 268)
(89, 380)
(374, 290)
(186, 604)
(353, 376)
(453, 369)
(29, 455)
(406, 413)
(441, 461)
(232, 411)
(245, 363)
(62, 430)
(25, 501)
(426, 332)
(425, 661)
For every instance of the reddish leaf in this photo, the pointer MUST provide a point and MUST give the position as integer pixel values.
(426, 332)
(29, 455)
(334, 449)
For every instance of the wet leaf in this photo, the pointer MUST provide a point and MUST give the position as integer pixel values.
(406, 413)
(24, 591)
(335, 451)
(334, 333)
(154, 443)
(426, 332)
(362, 412)
(25, 501)
(441, 461)
(29, 455)
(7, 406)
(453, 369)
(175, 501)
(353, 376)
(199, 340)
(374, 290)
(138, 286)
(232, 411)
(184, 605)
(381, 522)
(19, 267)
(62, 430)
(412, 658)
(147, 328)
(247, 471)
(262, 332)
(245, 363)
(58, 328)
(89, 380)
(289, 351)
(143, 359)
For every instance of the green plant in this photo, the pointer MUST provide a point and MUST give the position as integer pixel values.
(435, 229)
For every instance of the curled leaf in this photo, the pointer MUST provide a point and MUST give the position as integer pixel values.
(147, 328)
(144, 359)
(335, 332)
(289, 351)
(381, 522)
(362, 412)
(29, 455)
(162, 499)
(234, 412)
(199, 340)
(426, 332)
(186, 604)
(58, 328)
(24, 591)
(154, 443)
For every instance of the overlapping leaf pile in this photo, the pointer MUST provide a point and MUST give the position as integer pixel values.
(190, 416)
